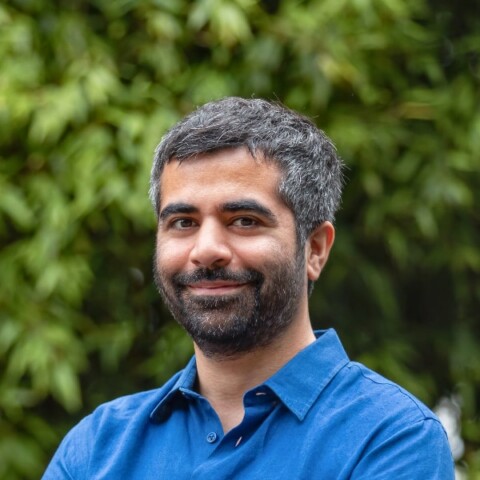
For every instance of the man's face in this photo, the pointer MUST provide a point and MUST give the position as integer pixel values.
(227, 261)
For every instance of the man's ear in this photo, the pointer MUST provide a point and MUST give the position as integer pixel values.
(317, 249)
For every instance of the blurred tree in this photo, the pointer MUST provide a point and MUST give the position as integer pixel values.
(88, 87)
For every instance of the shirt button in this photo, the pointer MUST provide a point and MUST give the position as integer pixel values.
(211, 437)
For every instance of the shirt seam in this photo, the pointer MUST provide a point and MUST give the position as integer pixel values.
(398, 389)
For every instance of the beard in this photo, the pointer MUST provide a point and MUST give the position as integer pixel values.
(253, 317)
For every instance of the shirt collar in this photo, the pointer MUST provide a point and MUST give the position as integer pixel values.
(184, 383)
(297, 384)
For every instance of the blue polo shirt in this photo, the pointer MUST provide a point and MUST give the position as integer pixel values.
(321, 416)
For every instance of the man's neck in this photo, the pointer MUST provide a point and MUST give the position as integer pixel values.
(224, 380)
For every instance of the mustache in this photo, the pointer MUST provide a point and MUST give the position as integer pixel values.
(205, 274)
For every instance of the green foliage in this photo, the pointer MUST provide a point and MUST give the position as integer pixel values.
(88, 87)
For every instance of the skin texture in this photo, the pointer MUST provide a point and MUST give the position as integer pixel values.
(227, 256)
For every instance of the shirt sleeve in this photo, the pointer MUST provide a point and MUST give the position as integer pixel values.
(71, 458)
(417, 452)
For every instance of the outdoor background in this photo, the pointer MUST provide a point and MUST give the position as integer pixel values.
(88, 87)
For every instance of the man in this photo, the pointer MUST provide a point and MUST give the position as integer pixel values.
(245, 192)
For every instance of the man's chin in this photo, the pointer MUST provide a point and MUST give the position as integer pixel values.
(217, 337)
(211, 302)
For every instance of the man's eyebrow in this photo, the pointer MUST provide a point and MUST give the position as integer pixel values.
(249, 206)
(175, 208)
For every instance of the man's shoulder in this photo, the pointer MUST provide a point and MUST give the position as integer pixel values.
(113, 425)
(382, 427)
(128, 412)
(384, 396)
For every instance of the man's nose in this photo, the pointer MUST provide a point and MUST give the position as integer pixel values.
(211, 249)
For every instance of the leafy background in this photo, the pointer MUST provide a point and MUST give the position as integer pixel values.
(87, 88)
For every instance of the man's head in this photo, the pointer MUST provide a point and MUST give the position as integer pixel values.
(238, 188)
(311, 181)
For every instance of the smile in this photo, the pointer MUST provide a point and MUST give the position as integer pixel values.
(214, 287)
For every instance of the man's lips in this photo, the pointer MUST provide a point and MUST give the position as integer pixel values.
(215, 287)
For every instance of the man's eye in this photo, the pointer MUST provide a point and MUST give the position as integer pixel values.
(182, 223)
(244, 222)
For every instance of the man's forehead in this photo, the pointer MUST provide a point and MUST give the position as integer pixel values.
(228, 175)
(238, 159)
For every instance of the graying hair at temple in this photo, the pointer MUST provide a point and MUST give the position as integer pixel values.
(312, 171)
